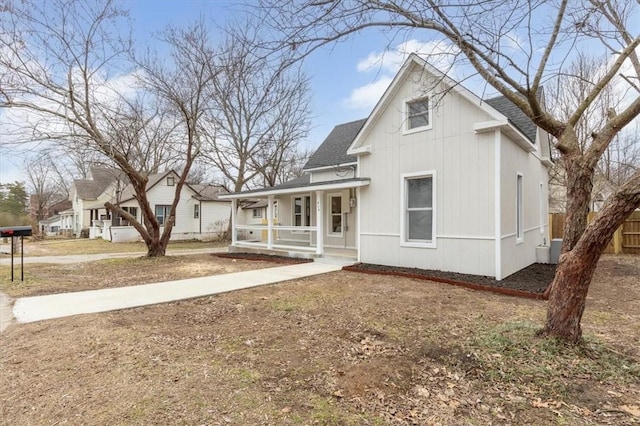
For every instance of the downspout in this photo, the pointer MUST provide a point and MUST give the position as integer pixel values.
(200, 216)
(497, 196)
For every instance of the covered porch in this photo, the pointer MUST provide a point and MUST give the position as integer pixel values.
(301, 219)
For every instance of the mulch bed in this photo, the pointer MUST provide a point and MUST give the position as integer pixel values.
(530, 282)
(264, 257)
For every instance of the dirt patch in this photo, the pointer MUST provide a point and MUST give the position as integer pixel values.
(336, 349)
(529, 282)
(263, 257)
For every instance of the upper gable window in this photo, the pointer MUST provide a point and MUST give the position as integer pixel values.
(171, 181)
(418, 115)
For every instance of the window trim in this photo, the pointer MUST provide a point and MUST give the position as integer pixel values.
(406, 130)
(404, 242)
(519, 208)
(330, 215)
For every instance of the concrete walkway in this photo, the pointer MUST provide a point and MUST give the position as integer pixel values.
(38, 308)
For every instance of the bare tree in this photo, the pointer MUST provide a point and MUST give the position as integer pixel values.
(67, 65)
(44, 185)
(515, 48)
(259, 113)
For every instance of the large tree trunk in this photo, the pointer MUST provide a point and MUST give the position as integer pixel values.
(568, 290)
(156, 248)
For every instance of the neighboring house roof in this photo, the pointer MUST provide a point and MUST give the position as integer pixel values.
(207, 192)
(101, 178)
(515, 116)
(254, 204)
(60, 206)
(333, 150)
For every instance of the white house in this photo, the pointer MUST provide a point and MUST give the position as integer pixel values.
(88, 197)
(200, 214)
(435, 178)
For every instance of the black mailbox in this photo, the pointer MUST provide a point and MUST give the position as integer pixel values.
(15, 231)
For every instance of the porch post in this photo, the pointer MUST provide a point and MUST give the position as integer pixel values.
(319, 222)
(270, 222)
(234, 206)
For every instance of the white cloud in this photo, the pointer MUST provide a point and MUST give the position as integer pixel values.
(365, 97)
(386, 64)
(440, 54)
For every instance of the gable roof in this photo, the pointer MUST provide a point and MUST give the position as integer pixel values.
(515, 115)
(406, 68)
(333, 150)
(101, 178)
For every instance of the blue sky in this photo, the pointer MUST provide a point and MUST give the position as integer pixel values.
(346, 78)
(344, 86)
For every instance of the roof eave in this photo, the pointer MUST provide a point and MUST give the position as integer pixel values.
(509, 129)
(331, 167)
(321, 186)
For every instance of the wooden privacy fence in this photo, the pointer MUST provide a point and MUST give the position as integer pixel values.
(625, 240)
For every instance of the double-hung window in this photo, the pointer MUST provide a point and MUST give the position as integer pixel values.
(133, 211)
(257, 213)
(335, 214)
(301, 213)
(418, 115)
(162, 213)
(196, 211)
(418, 218)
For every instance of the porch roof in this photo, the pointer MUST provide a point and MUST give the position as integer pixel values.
(299, 185)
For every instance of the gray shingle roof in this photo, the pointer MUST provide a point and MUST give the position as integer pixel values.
(333, 150)
(207, 192)
(515, 116)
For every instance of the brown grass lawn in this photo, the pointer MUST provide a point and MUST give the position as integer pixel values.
(59, 247)
(337, 349)
(117, 272)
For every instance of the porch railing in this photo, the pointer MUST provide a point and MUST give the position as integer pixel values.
(282, 236)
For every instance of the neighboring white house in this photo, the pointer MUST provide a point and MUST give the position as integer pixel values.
(200, 214)
(435, 178)
(88, 197)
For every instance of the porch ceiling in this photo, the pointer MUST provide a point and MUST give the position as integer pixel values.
(312, 186)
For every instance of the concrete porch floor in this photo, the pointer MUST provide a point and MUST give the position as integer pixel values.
(350, 255)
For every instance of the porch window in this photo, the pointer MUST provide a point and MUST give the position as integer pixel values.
(162, 213)
(335, 214)
(257, 213)
(418, 224)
